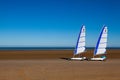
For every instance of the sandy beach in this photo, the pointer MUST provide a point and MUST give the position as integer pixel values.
(50, 65)
(50, 54)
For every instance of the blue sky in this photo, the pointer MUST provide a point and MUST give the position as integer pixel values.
(50, 23)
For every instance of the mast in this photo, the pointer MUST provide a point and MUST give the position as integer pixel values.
(80, 46)
(102, 42)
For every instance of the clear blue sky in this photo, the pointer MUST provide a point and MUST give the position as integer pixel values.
(57, 22)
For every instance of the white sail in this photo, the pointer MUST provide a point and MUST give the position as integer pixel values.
(80, 46)
(102, 42)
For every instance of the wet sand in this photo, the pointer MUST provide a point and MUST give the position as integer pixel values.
(50, 54)
(50, 65)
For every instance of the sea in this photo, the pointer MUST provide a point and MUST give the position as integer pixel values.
(47, 48)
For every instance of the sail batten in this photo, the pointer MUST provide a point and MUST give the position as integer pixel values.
(80, 46)
(102, 42)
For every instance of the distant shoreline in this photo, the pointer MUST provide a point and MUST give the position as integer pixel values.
(47, 48)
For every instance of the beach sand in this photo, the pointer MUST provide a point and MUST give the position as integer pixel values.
(51, 65)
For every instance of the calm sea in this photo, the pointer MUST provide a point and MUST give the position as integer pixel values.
(36, 48)
(47, 48)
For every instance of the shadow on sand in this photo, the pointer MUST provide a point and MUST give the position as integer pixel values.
(65, 58)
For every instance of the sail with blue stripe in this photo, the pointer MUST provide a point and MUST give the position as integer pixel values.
(102, 42)
(80, 46)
